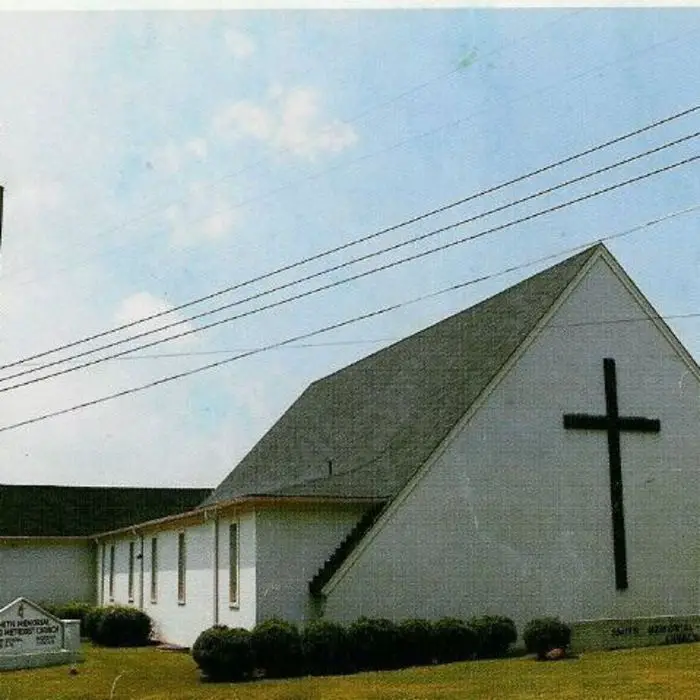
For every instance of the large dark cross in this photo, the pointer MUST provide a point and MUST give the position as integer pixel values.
(614, 424)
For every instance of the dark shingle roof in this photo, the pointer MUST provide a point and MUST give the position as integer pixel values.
(380, 418)
(70, 511)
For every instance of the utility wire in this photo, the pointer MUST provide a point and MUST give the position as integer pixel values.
(335, 326)
(349, 121)
(361, 275)
(326, 271)
(342, 265)
(357, 241)
(229, 351)
(591, 71)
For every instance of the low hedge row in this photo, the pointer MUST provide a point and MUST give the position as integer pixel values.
(75, 610)
(276, 649)
(111, 625)
(544, 634)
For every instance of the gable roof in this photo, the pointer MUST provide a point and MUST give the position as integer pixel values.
(376, 421)
(77, 511)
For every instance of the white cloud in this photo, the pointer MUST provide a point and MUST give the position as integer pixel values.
(204, 216)
(290, 121)
(172, 157)
(248, 119)
(68, 136)
(37, 196)
(72, 147)
(144, 304)
(197, 147)
(240, 45)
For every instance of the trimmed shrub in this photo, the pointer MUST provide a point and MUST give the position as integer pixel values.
(325, 648)
(91, 622)
(454, 640)
(223, 653)
(544, 634)
(373, 644)
(75, 610)
(416, 643)
(495, 634)
(277, 648)
(121, 626)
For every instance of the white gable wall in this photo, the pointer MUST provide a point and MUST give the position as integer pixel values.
(47, 570)
(293, 545)
(513, 517)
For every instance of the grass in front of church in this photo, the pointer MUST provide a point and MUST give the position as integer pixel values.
(149, 674)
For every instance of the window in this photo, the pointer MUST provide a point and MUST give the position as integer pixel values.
(111, 572)
(154, 570)
(131, 572)
(233, 564)
(181, 567)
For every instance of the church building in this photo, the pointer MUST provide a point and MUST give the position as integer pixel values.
(536, 454)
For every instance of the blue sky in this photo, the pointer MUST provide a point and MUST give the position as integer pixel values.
(150, 158)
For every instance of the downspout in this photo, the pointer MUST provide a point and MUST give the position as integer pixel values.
(216, 568)
(100, 592)
(139, 556)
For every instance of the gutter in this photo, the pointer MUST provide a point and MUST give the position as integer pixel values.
(46, 538)
(243, 501)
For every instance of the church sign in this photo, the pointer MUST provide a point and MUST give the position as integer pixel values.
(634, 632)
(31, 637)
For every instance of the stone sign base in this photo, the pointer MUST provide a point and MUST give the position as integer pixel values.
(589, 635)
(11, 662)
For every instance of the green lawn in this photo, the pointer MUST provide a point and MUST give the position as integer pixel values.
(149, 674)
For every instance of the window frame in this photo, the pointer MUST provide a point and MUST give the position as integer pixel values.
(234, 564)
(154, 569)
(112, 559)
(131, 578)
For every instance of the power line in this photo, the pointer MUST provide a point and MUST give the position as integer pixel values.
(341, 324)
(361, 275)
(594, 70)
(333, 268)
(229, 351)
(627, 232)
(349, 121)
(363, 239)
(345, 264)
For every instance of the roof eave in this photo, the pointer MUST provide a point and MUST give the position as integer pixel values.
(249, 501)
(45, 538)
(598, 251)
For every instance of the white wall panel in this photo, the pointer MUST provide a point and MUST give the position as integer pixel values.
(514, 516)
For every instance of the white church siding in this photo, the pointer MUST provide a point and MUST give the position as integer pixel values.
(118, 592)
(179, 621)
(293, 544)
(176, 620)
(513, 514)
(51, 570)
